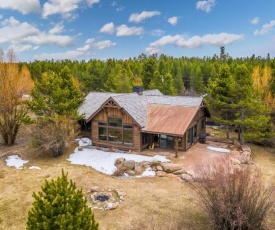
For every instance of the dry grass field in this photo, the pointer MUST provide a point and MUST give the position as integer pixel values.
(150, 203)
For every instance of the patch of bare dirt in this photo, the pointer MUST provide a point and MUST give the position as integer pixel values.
(21, 146)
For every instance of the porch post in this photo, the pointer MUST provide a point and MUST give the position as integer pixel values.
(177, 146)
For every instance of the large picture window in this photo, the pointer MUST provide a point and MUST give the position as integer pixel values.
(115, 131)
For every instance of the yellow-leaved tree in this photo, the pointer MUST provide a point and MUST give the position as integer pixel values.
(15, 83)
(262, 79)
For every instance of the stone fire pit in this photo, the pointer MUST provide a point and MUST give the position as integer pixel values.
(104, 199)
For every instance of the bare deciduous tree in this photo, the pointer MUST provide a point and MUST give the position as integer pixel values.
(234, 198)
(53, 135)
(14, 83)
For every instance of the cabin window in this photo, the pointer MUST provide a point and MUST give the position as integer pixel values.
(144, 138)
(115, 135)
(115, 122)
(180, 142)
(128, 136)
(102, 131)
(195, 131)
(115, 131)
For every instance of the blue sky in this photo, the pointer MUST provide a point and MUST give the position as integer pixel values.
(101, 29)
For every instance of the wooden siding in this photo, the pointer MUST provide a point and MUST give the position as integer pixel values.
(102, 116)
(198, 120)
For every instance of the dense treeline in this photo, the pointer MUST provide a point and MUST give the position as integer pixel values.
(174, 76)
(241, 91)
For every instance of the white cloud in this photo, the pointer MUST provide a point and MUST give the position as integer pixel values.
(89, 41)
(49, 39)
(265, 29)
(25, 7)
(14, 31)
(91, 2)
(124, 30)
(22, 48)
(84, 48)
(114, 3)
(221, 39)
(66, 8)
(255, 21)
(108, 28)
(173, 21)
(71, 54)
(104, 44)
(135, 17)
(1, 16)
(57, 29)
(205, 5)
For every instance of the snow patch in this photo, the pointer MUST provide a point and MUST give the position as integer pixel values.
(104, 161)
(84, 141)
(222, 150)
(34, 167)
(15, 161)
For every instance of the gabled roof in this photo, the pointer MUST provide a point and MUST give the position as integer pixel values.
(134, 105)
(152, 111)
(169, 119)
(93, 102)
(152, 92)
(175, 100)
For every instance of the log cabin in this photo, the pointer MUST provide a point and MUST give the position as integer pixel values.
(136, 121)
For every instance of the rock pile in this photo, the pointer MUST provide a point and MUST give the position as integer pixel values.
(242, 156)
(161, 169)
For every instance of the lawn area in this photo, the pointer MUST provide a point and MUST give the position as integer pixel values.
(159, 202)
(165, 199)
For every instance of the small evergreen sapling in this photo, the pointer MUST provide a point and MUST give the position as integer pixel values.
(60, 206)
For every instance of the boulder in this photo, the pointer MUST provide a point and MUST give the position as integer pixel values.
(120, 193)
(159, 168)
(119, 161)
(138, 168)
(161, 173)
(179, 172)
(110, 206)
(154, 168)
(145, 163)
(171, 167)
(128, 165)
(80, 148)
(187, 177)
(245, 157)
(245, 148)
(131, 172)
(235, 161)
(95, 189)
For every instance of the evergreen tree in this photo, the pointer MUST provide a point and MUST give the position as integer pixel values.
(168, 85)
(197, 84)
(56, 94)
(221, 96)
(156, 82)
(149, 68)
(60, 206)
(178, 78)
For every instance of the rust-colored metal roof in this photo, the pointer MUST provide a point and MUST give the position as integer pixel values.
(169, 119)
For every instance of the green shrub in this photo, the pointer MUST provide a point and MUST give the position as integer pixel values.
(60, 206)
